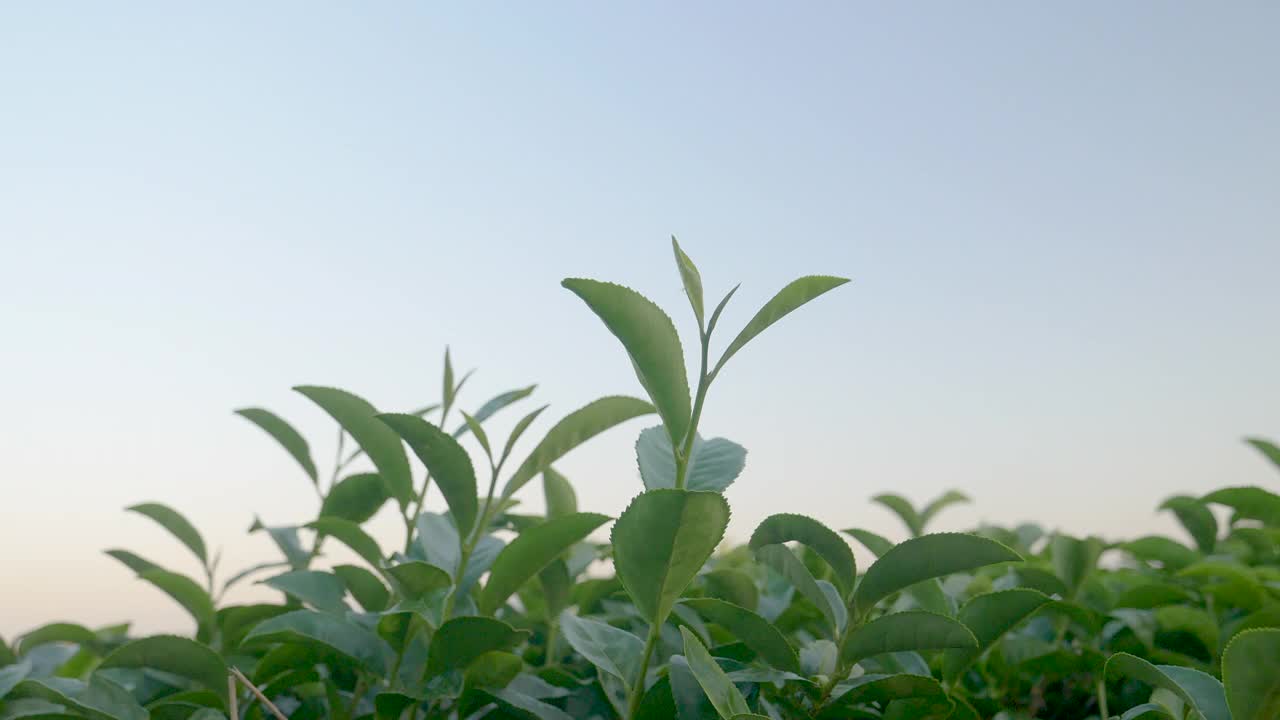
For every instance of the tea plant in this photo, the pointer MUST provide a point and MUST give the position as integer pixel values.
(482, 611)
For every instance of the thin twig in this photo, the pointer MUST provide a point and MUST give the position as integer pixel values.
(233, 695)
(262, 698)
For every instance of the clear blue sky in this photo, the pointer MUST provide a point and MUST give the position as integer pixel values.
(1061, 222)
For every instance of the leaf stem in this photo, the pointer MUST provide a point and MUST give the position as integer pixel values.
(704, 383)
(637, 692)
(1102, 697)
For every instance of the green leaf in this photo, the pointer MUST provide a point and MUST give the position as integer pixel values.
(786, 527)
(516, 432)
(1202, 692)
(177, 525)
(450, 389)
(877, 544)
(13, 674)
(1170, 555)
(910, 630)
(350, 534)
(446, 460)
(661, 542)
(756, 632)
(734, 586)
(1196, 518)
(364, 586)
(713, 464)
(520, 705)
(284, 434)
(56, 632)
(885, 689)
(134, 562)
(691, 278)
(558, 494)
(530, 552)
(356, 498)
(797, 293)
(328, 631)
(723, 694)
(901, 507)
(383, 447)
(481, 436)
(493, 405)
(574, 429)
(391, 705)
(98, 698)
(187, 593)
(1252, 503)
(416, 579)
(989, 617)
(947, 499)
(925, 557)
(321, 590)
(176, 655)
(1074, 559)
(463, 639)
(785, 562)
(611, 649)
(1267, 448)
(651, 341)
(1249, 670)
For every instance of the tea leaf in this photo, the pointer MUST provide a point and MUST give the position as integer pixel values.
(383, 447)
(493, 405)
(786, 527)
(877, 544)
(321, 590)
(481, 436)
(1202, 692)
(785, 562)
(330, 632)
(721, 691)
(416, 579)
(350, 534)
(284, 434)
(660, 543)
(989, 617)
(947, 499)
(1267, 448)
(56, 632)
(463, 639)
(884, 689)
(1253, 503)
(446, 460)
(1249, 672)
(904, 510)
(355, 497)
(178, 526)
(925, 557)
(713, 464)
(364, 586)
(187, 593)
(98, 697)
(758, 634)
(789, 298)
(558, 494)
(650, 340)
(12, 674)
(574, 429)
(177, 655)
(611, 649)
(691, 278)
(1196, 518)
(530, 552)
(516, 432)
(910, 630)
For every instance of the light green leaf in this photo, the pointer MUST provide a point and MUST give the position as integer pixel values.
(877, 544)
(660, 543)
(416, 579)
(1202, 692)
(284, 434)
(1151, 548)
(173, 654)
(11, 675)
(134, 562)
(756, 632)
(786, 527)
(989, 617)
(1267, 448)
(902, 507)
(691, 278)
(350, 534)
(493, 405)
(530, 552)
(611, 649)
(383, 447)
(937, 505)
(713, 464)
(785, 562)
(650, 340)
(574, 429)
(356, 498)
(481, 436)
(925, 557)
(446, 460)
(720, 690)
(187, 593)
(797, 293)
(56, 632)
(309, 627)
(321, 590)
(364, 586)
(1252, 503)
(1196, 518)
(558, 494)
(463, 639)
(911, 630)
(177, 525)
(520, 705)
(98, 698)
(1250, 671)
(516, 432)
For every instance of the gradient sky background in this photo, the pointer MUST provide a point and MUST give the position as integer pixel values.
(1061, 222)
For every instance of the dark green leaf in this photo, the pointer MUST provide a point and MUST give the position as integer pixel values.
(720, 690)
(1251, 672)
(786, 527)
(911, 630)
(937, 505)
(901, 507)
(1267, 448)
(350, 534)
(171, 520)
(356, 498)
(877, 544)
(321, 590)
(925, 557)
(383, 447)
(1253, 503)
(785, 562)
(99, 698)
(448, 463)
(1170, 555)
(364, 586)
(883, 689)
(574, 429)
(328, 631)
(1196, 518)
(558, 494)
(755, 631)
(1203, 693)
(494, 404)
(135, 563)
(177, 655)
(187, 593)
(795, 294)
(463, 639)
(284, 434)
(416, 579)
(660, 543)
(481, 436)
(56, 632)
(734, 586)
(530, 552)
(989, 617)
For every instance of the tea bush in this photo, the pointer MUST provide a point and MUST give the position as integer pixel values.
(458, 622)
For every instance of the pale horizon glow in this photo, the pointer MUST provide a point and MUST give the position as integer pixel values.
(1060, 222)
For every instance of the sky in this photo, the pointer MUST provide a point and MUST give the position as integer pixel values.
(1060, 221)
